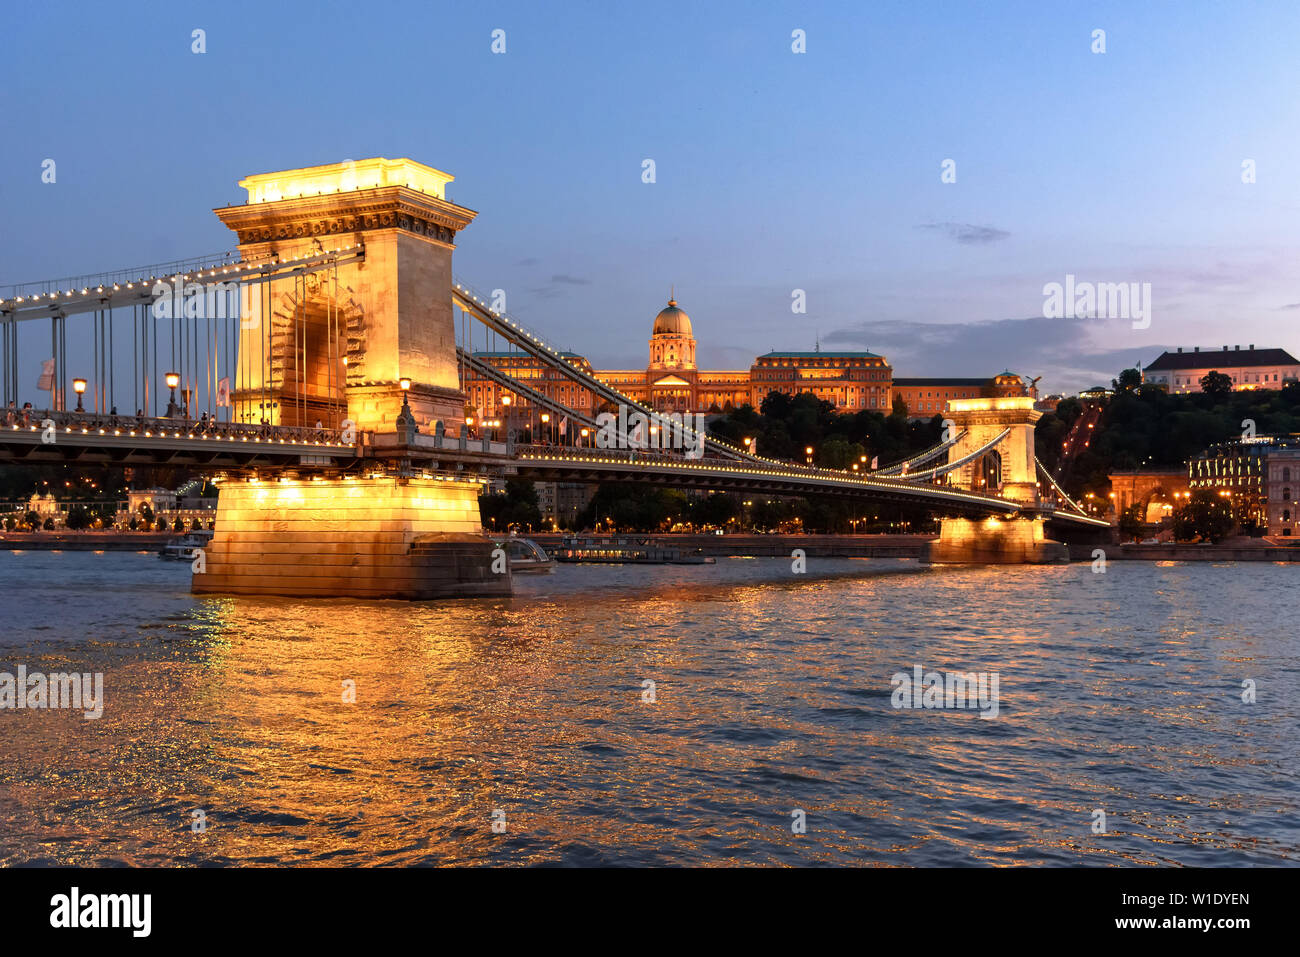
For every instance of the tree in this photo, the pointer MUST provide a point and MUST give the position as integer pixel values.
(1128, 380)
(78, 518)
(1216, 384)
(515, 506)
(1131, 521)
(33, 520)
(1206, 515)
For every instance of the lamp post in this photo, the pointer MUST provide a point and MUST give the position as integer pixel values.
(809, 453)
(79, 387)
(405, 419)
(585, 433)
(173, 380)
(546, 418)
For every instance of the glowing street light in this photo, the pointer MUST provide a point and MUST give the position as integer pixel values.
(173, 380)
(79, 387)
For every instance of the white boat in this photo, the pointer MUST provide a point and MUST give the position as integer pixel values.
(182, 549)
(527, 557)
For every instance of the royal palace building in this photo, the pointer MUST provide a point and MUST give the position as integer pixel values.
(672, 381)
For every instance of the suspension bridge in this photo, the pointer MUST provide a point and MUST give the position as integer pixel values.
(317, 374)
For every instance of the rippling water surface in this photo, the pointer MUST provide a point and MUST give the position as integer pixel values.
(1118, 691)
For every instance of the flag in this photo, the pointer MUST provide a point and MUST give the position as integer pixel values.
(223, 391)
(46, 381)
(562, 425)
(875, 460)
(904, 472)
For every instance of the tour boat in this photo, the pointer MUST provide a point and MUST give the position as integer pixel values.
(182, 549)
(527, 557)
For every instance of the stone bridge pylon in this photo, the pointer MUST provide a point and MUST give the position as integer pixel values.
(367, 342)
(1009, 469)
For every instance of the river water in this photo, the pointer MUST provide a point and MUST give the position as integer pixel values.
(1119, 693)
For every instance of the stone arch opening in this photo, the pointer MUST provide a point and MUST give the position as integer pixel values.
(989, 474)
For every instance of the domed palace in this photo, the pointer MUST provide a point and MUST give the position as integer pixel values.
(672, 382)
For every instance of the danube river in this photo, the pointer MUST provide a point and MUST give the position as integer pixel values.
(1119, 693)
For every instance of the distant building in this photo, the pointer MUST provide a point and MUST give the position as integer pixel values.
(1156, 491)
(848, 380)
(672, 382)
(562, 502)
(1260, 475)
(1248, 368)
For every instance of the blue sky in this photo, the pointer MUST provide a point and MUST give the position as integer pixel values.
(775, 171)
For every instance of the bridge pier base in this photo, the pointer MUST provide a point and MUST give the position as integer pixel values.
(995, 541)
(382, 537)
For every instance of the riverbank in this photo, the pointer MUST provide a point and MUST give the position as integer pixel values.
(89, 541)
(1166, 552)
(913, 546)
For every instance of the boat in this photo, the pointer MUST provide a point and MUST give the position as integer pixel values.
(630, 550)
(182, 549)
(527, 557)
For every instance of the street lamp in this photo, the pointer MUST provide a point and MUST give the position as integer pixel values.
(585, 433)
(546, 418)
(79, 387)
(405, 419)
(809, 453)
(173, 380)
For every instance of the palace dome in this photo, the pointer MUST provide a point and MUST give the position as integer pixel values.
(672, 321)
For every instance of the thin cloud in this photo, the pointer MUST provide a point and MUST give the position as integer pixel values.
(1061, 350)
(968, 234)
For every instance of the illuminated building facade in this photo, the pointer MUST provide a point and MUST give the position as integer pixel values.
(673, 382)
(1260, 475)
(1248, 368)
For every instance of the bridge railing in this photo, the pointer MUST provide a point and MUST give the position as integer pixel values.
(36, 420)
(130, 274)
(673, 457)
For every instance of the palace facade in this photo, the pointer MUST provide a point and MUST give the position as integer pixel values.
(672, 382)
(1249, 368)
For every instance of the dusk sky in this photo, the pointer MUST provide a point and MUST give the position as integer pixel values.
(775, 171)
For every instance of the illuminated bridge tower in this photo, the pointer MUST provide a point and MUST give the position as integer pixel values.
(337, 344)
(1008, 470)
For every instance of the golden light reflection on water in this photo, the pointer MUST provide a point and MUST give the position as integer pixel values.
(771, 694)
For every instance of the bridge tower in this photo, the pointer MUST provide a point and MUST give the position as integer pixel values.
(1009, 470)
(340, 341)
(339, 344)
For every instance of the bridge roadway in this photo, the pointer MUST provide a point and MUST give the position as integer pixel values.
(84, 438)
(550, 463)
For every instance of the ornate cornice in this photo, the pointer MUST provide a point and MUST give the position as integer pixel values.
(392, 207)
